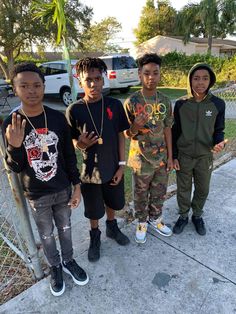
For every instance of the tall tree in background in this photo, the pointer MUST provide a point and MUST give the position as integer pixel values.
(17, 31)
(147, 25)
(209, 18)
(98, 37)
(155, 20)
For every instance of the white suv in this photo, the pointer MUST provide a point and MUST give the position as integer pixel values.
(57, 81)
(122, 72)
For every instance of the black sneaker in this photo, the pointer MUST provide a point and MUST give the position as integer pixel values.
(78, 275)
(113, 232)
(199, 225)
(94, 246)
(180, 224)
(57, 285)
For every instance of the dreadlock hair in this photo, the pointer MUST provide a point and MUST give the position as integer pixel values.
(86, 64)
(149, 58)
(25, 67)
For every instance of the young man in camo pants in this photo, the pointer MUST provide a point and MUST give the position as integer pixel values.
(150, 154)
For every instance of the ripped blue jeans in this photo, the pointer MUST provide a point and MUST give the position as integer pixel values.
(46, 210)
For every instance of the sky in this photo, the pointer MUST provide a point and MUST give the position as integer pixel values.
(127, 13)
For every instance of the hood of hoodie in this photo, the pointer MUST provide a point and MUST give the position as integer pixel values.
(200, 66)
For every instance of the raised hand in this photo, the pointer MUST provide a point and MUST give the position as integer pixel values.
(15, 131)
(87, 139)
(140, 120)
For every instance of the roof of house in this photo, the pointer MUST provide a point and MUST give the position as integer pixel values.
(217, 41)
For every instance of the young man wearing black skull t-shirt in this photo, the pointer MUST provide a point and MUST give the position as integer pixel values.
(39, 148)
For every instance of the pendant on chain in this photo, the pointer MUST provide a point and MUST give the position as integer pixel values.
(100, 141)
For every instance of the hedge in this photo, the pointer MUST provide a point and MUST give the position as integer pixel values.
(175, 68)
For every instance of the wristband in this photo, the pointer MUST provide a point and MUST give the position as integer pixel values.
(122, 163)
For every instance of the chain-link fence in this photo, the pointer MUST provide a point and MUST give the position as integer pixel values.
(229, 96)
(17, 255)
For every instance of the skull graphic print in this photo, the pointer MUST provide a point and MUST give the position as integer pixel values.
(44, 162)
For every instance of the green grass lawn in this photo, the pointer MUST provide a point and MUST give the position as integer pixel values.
(230, 129)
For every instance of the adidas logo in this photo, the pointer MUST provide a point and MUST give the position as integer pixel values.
(208, 113)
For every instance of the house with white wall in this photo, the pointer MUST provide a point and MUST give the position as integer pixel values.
(165, 44)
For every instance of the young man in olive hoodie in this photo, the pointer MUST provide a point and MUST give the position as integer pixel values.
(198, 132)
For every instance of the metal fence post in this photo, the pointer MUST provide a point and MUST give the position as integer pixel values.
(22, 209)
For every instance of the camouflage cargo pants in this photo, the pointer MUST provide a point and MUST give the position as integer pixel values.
(149, 192)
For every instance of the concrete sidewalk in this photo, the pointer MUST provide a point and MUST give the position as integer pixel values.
(181, 274)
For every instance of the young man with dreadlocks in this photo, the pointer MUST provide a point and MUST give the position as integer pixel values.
(97, 124)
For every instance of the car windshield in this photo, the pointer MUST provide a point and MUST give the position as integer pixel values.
(124, 63)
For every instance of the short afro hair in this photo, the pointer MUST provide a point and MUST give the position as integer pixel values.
(149, 58)
(26, 67)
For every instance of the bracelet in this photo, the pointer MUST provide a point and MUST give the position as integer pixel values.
(122, 163)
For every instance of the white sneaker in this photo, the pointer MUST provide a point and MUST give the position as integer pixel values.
(141, 232)
(159, 226)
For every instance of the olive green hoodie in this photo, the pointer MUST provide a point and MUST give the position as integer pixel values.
(198, 126)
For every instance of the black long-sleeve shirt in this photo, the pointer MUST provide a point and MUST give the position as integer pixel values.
(45, 166)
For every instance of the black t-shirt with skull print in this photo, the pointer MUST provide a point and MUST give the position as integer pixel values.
(46, 160)
(100, 161)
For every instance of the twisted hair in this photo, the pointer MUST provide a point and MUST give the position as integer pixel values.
(86, 64)
(25, 67)
(149, 58)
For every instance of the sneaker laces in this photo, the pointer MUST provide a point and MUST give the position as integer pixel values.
(56, 273)
(73, 267)
(115, 228)
(141, 227)
(158, 222)
(201, 222)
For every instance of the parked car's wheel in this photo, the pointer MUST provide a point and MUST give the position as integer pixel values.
(124, 90)
(66, 96)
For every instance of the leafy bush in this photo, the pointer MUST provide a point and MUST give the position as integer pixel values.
(175, 68)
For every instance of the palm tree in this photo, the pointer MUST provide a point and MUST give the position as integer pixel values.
(51, 13)
(209, 18)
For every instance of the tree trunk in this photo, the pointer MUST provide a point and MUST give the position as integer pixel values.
(10, 61)
(209, 44)
(4, 68)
